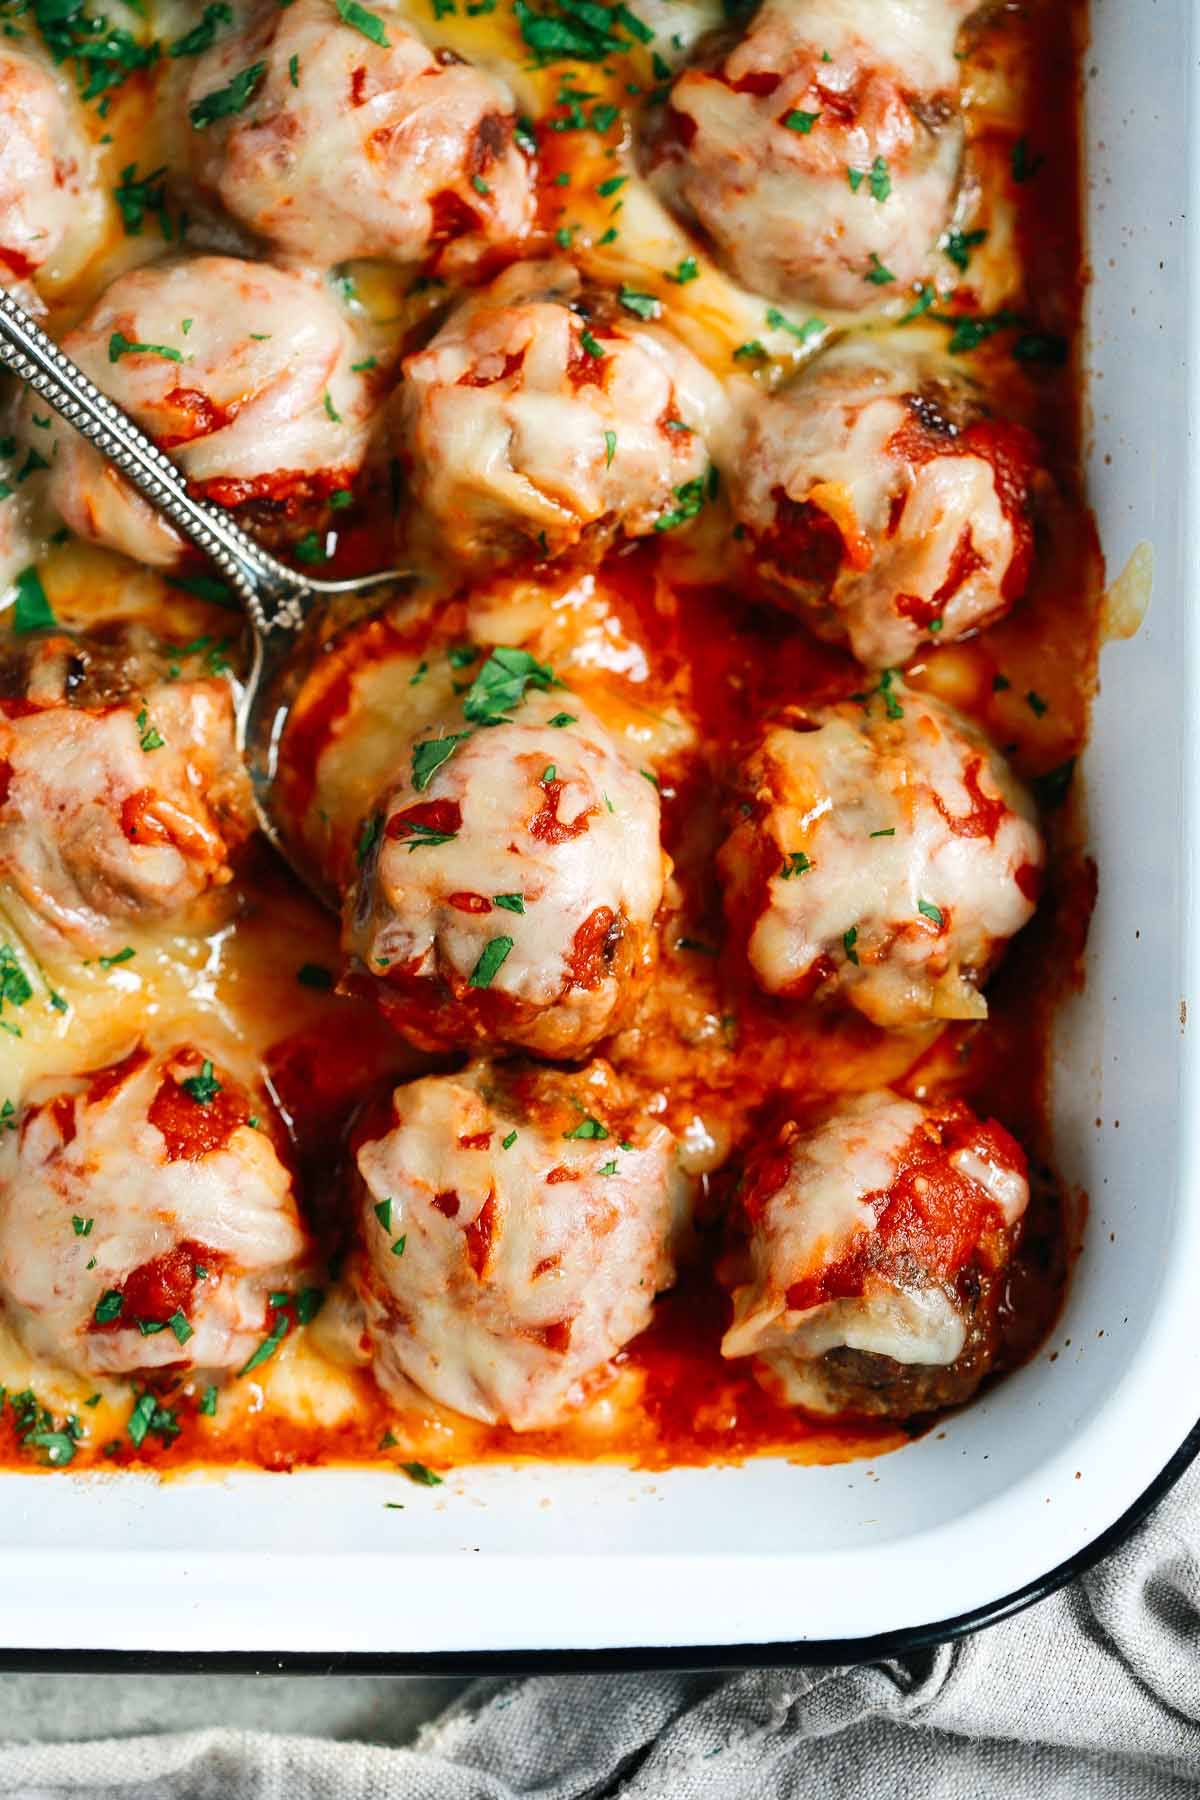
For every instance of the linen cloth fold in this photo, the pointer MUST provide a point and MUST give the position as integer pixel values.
(1095, 1692)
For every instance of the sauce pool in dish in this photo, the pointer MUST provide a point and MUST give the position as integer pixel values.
(672, 1086)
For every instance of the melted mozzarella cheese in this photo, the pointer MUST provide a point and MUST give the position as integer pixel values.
(826, 1191)
(554, 821)
(531, 1252)
(123, 814)
(927, 531)
(529, 423)
(870, 867)
(242, 371)
(758, 148)
(47, 178)
(92, 1191)
(352, 147)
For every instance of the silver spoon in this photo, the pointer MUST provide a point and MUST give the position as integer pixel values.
(282, 606)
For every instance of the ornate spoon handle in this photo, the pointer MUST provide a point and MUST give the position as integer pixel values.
(275, 597)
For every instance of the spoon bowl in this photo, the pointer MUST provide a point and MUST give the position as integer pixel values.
(289, 615)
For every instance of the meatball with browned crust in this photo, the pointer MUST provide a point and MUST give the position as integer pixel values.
(884, 501)
(122, 796)
(877, 1242)
(820, 152)
(882, 854)
(513, 873)
(514, 1227)
(354, 142)
(541, 421)
(145, 1220)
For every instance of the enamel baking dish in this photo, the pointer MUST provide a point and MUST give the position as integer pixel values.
(1004, 1500)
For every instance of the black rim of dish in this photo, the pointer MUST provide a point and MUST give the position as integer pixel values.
(821, 1651)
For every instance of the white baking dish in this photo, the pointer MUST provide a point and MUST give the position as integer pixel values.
(1023, 1485)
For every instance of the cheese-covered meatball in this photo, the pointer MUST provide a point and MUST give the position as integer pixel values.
(242, 372)
(117, 807)
(509, 892)
(357, 144)
(821, 151)
(540, 421)
(143, 1220)
(877, 1243)
(884, 502)
(515, 1226)
(882, 857)
(45, 165)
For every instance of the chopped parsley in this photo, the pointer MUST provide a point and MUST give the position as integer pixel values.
(109, 1306)
(138, 195)
(490, 962)
(804, 334)
(416, 1471)
(501, 683)
(508, 1142)
(81, 1227)
(930, 911)
(31, 609)
(201, 36)
(513, 903)
(383, 1212)
(642, 306)
(429, 755)
(149, 737)
(802, 122)
(958, 245)
(592, 346)
(119, 345)
(687, 270)
(588, 1127)
(369, 24)
(204, 1087)
(881, 182)
(120, 956)
(877, 274)
(849, 940)
(796, 863)
(610, 448)
(224, 102)
(208, 1403)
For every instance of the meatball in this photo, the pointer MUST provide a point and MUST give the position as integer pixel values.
(538, 422)
(515, 1226)
(116, 808)
(882, 855)
(510, 889)
(878, 1241)
(883, 502)
(242, 372)
(354, 146)
(144, 1221)
(821, 152)
(45, 166)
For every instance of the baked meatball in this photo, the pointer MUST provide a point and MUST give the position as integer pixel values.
(350, 145)
(144, 1221)
(45, 166)
(882, 854)
(820, 152)
(509, 889)
(515, 1225)
(877, 1243)
(117, 808)
(242, 372)
(883, 501)
(540, 422)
